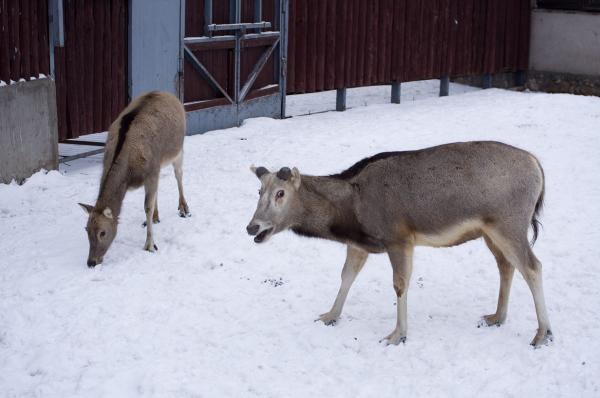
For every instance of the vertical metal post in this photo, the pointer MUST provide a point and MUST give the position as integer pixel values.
(340, 101)
(396, 92)
(487, 80)
(181, 51)
(258, 11)
(444, 86)
(520, 78)
(130, 27)
(56, 36)
(281, 60)
(208, 16)
(236, 14)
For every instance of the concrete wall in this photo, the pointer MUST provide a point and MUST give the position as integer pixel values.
(28, 129)
(566, 42)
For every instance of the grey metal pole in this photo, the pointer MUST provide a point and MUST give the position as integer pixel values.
(396, 90)
(487, 80)
(237, 58)
(283, 46)
(444, 86)
(180, 77)
(208, 16)
(56, 35)
(258, 11)
(340, 101)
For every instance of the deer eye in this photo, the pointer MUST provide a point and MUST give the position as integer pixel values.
(102, 234)
(259, 192)
(279, 194)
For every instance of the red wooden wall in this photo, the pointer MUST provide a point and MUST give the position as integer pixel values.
(23, 39)
(349, 43)
(91, 69)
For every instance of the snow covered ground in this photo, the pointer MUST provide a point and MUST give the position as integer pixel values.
(212, 314)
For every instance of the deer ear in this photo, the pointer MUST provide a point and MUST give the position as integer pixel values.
(295, 178)
(107, 213)
(259, 171)
(87, 208)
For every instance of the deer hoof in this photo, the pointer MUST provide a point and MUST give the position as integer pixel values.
(151, 247)
(184, 210)
(490, 320)
(184, 214)
(395, 338)
(328, 318)
(542, 337)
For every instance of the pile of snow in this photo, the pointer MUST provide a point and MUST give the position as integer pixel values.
(213, 314)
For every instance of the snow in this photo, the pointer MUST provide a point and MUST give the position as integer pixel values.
(213, 314)
(40, 76)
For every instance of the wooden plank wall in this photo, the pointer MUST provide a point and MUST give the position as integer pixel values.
(23, 39)
(349, 43)
(91, 69)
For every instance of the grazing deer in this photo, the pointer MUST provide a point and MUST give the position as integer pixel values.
(147, 135)
(391, 202)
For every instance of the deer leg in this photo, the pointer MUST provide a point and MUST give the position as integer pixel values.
(184, 210)
(355, 260)
(155, 218)
(151, 187)
(401, 259)
(506, 276)
(517, 251)
(532, 273)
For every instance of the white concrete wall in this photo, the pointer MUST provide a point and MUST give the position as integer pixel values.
(28, 129)
(567, 42)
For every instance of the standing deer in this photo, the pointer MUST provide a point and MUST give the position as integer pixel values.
(147, 135)
(391, 202)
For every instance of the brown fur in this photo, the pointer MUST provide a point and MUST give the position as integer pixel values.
(147, 135)
(440, 196)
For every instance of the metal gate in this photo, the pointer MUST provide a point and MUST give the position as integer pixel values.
(234, 61)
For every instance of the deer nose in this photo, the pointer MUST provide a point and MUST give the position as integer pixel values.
(252, 229)
(91, 263)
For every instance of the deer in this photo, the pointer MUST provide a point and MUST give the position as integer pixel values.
(440, 196)
(146, 136)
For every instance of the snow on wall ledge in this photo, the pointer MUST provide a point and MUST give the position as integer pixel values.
(213, 314)
(40, 76)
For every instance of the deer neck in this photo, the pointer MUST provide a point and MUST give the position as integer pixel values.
(324, 201)
(113, 188)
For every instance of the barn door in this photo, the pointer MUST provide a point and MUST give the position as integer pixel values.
(234, 62)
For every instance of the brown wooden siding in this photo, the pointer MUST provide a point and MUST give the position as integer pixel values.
(350, 43)
(23, 39)
(91, 69)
